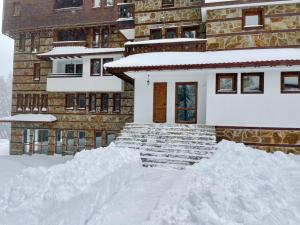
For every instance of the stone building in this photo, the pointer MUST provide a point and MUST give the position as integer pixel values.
(60, 47)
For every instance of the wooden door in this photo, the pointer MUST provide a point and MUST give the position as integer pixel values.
(160, 103)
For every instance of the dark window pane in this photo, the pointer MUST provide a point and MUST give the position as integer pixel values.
(22, 42)
(82, 140)
(171, 33)
(226, 84)
(26, 141)
(70, 101)
(68, 3)
(105, 38)
(98, 139)
(95, 67)
(59, 142)
(117, 102)
(251, 83)
(186, 116)
(186, 96)
(81, 101)
(41, 141)
(70, 68)
(92, 106)
(190, 34)
(70, 143)
(71, 35)
(167, 3)
(110, 138)
(291, 83)
(156, 34)
(79, 68)
(104, 102)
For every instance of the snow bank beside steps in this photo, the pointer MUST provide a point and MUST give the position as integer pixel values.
(237, 186)
(105, 170)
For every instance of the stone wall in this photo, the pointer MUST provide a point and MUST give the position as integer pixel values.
(150, 14)
(268, 139)
(24, 83)
(281, 28)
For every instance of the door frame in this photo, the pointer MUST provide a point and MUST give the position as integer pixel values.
(154, 100)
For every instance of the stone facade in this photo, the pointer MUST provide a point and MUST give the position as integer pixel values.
(270, 140)
(151, 15)
(281, 28)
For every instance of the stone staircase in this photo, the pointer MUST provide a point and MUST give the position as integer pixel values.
(171, 145)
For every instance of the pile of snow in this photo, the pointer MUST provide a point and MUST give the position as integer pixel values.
(237, 186)
(4, 147)
(68, 193)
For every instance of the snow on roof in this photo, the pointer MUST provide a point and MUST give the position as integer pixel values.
(29, 118)
(205, 58)
(159, 41)
(79, 50)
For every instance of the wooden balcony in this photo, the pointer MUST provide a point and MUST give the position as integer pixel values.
(166, 45)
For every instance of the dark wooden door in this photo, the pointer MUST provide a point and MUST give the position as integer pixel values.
(160, 103)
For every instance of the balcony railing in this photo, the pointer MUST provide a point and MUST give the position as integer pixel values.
(69, 43)
(126, 16)
(196, 45)
(64, 75)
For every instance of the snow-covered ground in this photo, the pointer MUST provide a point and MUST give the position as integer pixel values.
(4, 147)
(237, 186)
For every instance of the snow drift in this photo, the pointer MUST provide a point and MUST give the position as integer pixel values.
(68, 193)
(237, 186)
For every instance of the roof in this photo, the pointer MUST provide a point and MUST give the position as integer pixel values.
(160, 41)
(45, 118)
(203, 60)
(78, 51)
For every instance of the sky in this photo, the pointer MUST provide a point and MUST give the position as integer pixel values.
(6, 50)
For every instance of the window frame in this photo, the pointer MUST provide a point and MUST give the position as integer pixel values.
(78, 101)
(115, 110)
(27, 104)
(36, 71)
(91, 67)
(251, 12)
(186, 109)
(167, 29)
(15, 6)
(61, 142)
(106, 5)
(28, 142)
(42, 146)
(190, 28)
(78, 139)
(90, 102)
(35, 42)
(110, 133)
(152, 31)
(96, 33)
(57, 7)
(95, 138)
(74, 146)
(289, 74)
(44, 103)
(20, 103)
(36, 103)
(233, 76)
(22, 42)
(167, 5)
(103, 43)
(261, 82)
(102, 100)
(104, 71)
(94, 4)
(74, 101)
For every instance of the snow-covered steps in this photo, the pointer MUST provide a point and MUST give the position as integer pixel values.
(169, 145)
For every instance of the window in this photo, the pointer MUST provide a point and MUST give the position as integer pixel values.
(98, 139)
(97, 3)
(20, 102)
(96, 38)
(226, 83)
(35, 42)
(105, 38)
(111, 137)
(190, 32)
(22, 39)
(36, 71)
(171, 33)
(109, 2)
(36, 102)
(117, 102)
(70, 150)
(73, 68)
(95, 67)
(27, 102)
(167, 3)
(107, 60)
(252, 83)
(26, 141)
(41, 141)
(81, 101)
(59, 142)
(253, 18)
(70, 102)
(17, 9)
(71, 35)
(92, 103)
(186, 102)
(68, 3)
(44, 103)
(290, 82)
(155, 34)
(104, 102)
(81, 140)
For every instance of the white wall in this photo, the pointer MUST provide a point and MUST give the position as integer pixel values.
(271, 109)
(143, 99)
(86, 83)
